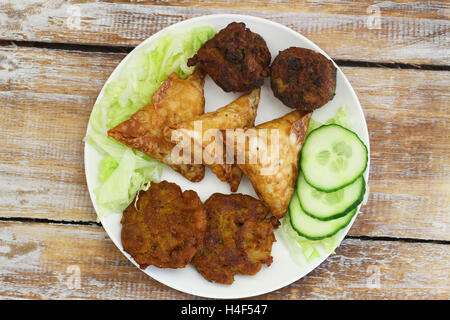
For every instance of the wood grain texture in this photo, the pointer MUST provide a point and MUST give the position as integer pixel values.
(411, 32)
(47, 96)
(408, 118)
(34, 265)
(405, 8)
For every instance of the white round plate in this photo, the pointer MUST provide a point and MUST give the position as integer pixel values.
(283, 270)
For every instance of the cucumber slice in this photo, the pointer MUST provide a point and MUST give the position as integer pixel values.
(329, 205)
(332, 157)
(312, 228)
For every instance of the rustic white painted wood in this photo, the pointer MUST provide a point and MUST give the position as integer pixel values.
(414, 32)
(46, 96)
(34, 265)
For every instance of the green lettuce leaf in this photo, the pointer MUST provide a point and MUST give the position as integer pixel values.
(113, 192)
(123, 172)
(107, 167)
(341, 118)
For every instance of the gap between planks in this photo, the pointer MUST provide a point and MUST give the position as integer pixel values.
(98, 224)
(409, 38)
(127, 49)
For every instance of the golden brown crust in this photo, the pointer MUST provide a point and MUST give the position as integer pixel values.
(274, 179)
(303, 79)
(236, 58)
(238, 237)
(166, 229)
(176, 100)
(240, 113)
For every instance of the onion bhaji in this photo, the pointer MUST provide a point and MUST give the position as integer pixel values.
(238, 238)
(303, 79)
(166, 229)
(236, 58)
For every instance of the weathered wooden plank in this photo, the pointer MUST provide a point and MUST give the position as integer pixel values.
(47, 96)
(416, 32)
(41, 261)
(408, 118)
(409, 8)
(48, 257)
(376, 270)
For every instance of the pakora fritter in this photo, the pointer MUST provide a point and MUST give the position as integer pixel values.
(303, 79)
(165, 228)
(176, 100)
(274, 174)
(238, 238)
(240, 113)
(236, 58)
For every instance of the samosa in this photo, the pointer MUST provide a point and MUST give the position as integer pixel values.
(176, 100)
(268, 154)
(240, 113)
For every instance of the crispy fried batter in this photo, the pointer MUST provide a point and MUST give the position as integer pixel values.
(240, 113)
(238, 237)
(176, 100)
(274, 173)
(303, 79)
(167, 228)
(235, 58)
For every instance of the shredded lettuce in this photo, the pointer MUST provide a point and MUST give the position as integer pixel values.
(107, 167)
(301, 249)
(123, 172)
(341, 118)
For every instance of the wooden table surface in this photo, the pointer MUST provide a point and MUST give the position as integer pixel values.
(55, 57)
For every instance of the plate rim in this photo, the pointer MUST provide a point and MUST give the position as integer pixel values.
(194, 20)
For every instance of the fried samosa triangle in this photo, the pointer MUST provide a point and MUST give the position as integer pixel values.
(268, 154)
(205, 130)
(176, 100)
